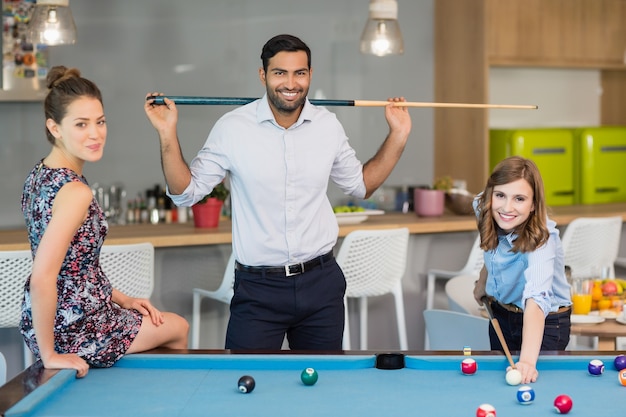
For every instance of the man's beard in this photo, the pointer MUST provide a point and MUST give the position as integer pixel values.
(283, 106)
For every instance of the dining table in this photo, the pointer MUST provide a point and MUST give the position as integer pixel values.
(607, 331)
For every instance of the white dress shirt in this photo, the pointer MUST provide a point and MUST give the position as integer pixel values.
(278, 179)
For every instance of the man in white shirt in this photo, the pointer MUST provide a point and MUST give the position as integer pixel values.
(279, 152)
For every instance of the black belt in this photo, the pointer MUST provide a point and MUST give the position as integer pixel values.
(287, 270)
(515, 309)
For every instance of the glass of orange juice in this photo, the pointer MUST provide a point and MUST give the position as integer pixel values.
(581, 295)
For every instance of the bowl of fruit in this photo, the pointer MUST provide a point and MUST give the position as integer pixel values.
(607, 297)
(353, 214)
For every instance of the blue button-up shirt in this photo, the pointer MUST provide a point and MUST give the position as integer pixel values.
(278, 179)
(515, 277)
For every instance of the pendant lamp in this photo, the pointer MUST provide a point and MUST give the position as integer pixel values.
(52, 23)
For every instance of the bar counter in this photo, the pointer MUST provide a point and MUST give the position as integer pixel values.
(176, 235)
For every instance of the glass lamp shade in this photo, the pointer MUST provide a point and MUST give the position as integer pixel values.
(52, 23)
(381, 35)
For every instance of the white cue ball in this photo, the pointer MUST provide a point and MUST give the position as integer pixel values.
(513, 377)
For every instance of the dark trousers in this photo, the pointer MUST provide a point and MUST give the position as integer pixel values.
(308, 308)
(555, 335)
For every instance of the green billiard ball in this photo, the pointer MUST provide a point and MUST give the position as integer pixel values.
(309, 376)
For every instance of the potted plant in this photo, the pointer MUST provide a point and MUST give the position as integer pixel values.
(430, 202)
(206, 212)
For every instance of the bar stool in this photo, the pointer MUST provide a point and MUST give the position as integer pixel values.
(374, 262)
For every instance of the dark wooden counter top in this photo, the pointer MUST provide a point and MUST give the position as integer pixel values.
(168, 235)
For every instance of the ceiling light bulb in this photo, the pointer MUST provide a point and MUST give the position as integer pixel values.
(382, 35)
(52, 23)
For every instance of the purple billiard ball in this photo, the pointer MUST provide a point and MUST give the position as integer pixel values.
(596, 367)
(620, 362)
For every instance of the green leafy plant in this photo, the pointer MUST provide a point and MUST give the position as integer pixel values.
(219, 191)
(443, 183)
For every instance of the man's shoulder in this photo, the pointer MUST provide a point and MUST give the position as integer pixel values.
(247, 111)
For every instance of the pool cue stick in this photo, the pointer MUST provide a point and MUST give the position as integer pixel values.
(238, 101)
(496, 327)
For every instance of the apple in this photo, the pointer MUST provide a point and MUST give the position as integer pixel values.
(609, 288)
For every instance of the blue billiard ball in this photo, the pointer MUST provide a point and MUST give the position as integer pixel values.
(309, 376)
(246, 384)
(596, 367)
(620, 362)
(525, 395)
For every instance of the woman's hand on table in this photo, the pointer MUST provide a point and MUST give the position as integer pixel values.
(528, 371)
(67, 361)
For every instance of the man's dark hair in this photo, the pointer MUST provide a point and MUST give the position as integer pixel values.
(281, 43)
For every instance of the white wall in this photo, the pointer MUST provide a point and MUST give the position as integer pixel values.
(566, 97)
(212, 48)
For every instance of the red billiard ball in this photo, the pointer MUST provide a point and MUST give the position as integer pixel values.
(621, 375)
(469, 366)
(595, 367)
(246, 384)
(620, 362)
(563, 404)
(486, 410)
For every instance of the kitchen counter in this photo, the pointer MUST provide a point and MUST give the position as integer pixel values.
(173, 235)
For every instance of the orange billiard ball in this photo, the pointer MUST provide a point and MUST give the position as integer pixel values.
(622, 377)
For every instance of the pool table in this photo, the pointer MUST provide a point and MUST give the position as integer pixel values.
(205, 384)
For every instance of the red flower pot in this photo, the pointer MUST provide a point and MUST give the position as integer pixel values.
(207, 214)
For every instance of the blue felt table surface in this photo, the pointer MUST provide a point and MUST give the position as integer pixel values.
(206, 385)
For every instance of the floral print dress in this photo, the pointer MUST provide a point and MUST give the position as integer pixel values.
(87, 321)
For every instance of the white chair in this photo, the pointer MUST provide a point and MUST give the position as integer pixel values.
(475, 262)
(130, 268)
(451, 330)
(591, 244)
(374, 262)
(460, 293)
(223, 293)
(15, 268)
(3, 370)
(620, 261)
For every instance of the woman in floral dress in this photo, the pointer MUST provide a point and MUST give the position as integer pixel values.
(71, 316)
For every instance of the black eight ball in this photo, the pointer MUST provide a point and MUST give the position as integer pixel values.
(246, 384)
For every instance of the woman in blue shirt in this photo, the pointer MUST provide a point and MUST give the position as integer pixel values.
(524, 273)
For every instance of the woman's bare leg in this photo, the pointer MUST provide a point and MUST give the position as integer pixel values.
(171, 334)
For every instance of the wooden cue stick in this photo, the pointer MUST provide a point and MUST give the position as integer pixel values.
(496, 327)
(237, 101)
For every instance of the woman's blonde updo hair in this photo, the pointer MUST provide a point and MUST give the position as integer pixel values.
(65, 85)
